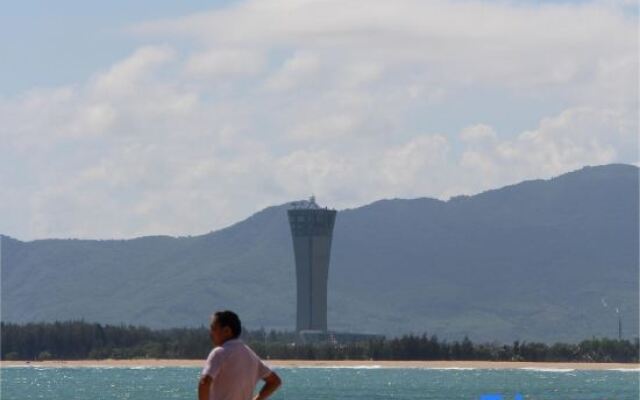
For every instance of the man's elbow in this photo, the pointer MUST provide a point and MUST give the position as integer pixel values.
(274, 380)
(278, 380)
(204, 382)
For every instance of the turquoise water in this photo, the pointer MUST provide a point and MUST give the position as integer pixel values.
(324, 383)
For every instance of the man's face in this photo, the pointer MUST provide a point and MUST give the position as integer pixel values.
(218, 334)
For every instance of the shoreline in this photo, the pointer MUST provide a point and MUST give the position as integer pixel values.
(129, 363)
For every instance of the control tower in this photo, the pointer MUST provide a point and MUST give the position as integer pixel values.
(311, 230)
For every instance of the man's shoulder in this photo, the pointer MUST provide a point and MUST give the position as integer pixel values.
(217, 351)
(237, 345)
(251, 353)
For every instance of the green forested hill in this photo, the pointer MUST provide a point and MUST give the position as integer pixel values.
(541, 260)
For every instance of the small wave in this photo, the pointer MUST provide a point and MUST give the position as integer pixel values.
(334, 366)
(623, 369)
(90, 366)
(540, 369)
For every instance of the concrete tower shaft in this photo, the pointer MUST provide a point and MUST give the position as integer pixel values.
(312, 231)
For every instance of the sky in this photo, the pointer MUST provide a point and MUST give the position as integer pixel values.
(123, 119)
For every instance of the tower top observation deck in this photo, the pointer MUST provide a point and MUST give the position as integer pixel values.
(307, 218)
(306, 205)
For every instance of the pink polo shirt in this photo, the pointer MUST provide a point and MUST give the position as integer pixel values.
(235, 369)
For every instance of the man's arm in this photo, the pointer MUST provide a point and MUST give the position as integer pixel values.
(203, 387)
(210, 371)
(271, 383)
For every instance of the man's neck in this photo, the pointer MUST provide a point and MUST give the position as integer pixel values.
(230, 340)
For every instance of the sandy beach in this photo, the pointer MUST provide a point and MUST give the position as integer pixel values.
(331, 363)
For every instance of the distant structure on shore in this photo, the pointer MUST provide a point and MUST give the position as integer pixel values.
(311, 231)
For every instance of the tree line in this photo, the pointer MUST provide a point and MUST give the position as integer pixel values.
(71, 340)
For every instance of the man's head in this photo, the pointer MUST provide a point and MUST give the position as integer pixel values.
(225, 325)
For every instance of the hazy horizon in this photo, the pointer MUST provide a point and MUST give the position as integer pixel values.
(250, 213)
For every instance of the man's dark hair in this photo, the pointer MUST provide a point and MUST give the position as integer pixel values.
(230, 319)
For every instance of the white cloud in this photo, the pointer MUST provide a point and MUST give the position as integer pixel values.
(408, 166)
(121, 78)
(216, 63)
(478, 132)
(570, 140)
(297, 69)
(467, 42)
(352, 101)
(329, 127)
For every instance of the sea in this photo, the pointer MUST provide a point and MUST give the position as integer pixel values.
(311, 383)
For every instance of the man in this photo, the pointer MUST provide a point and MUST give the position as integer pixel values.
(232, 368)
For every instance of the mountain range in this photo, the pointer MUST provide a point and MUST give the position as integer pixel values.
(544, 260)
